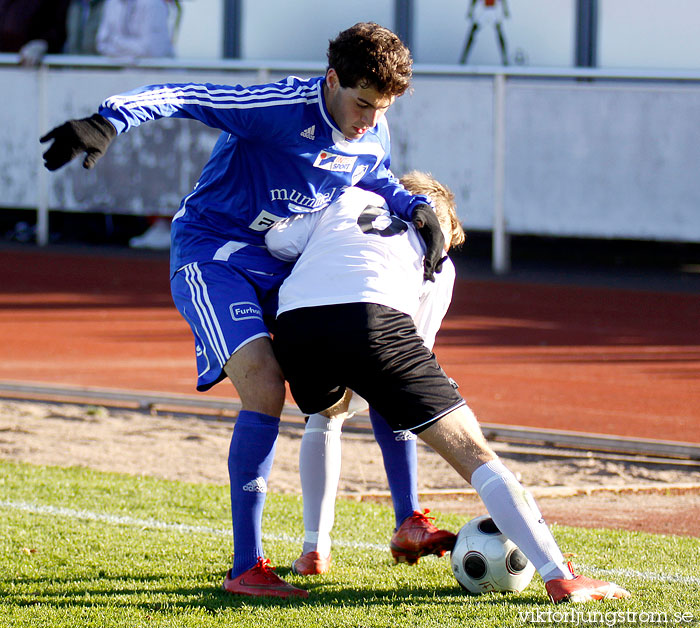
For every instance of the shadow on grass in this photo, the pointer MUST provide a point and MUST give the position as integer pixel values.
(163, 593)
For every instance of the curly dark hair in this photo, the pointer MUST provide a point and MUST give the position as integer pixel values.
(369, 55)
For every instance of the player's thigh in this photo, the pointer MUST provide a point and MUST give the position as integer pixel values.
(398, 375)
(306, 347)
(220, 303)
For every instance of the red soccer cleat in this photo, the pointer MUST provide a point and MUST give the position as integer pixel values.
(582, 589)
(311, 564)
(261, 580)
(417, 537)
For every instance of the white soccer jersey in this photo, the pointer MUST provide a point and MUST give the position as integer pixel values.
(435, 299)
(356, 251)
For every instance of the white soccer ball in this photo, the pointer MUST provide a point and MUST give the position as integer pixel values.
(484, 560)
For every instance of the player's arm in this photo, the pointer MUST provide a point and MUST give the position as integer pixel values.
(400, 201)
(234, 109)
(412, 208)
(231, 108)
(287, 238)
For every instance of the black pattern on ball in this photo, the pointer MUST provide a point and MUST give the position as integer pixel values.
(487, 526)
(475, 565)
(516, 561)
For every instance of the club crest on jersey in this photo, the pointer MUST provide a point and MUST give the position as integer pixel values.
(245, 310)
(358, 174)
(334, 162)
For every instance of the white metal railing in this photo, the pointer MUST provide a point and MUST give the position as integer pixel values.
(77, 61)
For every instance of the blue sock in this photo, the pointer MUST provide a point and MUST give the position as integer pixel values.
(249, 462)
(401, 465)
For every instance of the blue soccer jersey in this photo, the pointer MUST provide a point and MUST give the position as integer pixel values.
(279, 153)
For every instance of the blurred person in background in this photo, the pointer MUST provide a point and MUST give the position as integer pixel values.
(132, 29)
(483, 12)
(33, 28)
(83, 21)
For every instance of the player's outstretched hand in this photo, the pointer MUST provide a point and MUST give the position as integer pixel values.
(428, 226)
(88, 135)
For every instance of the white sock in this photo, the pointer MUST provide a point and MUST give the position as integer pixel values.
(515, 513)
(319, 468)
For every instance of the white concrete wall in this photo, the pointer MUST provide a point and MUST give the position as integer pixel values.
(605, 160)
(279, 29)
(656, 34)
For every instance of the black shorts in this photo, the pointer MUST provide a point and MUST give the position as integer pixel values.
(372, 349)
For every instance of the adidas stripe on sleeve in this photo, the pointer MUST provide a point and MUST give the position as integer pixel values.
(228, 108)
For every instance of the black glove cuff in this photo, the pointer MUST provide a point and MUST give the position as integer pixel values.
(103, 125)
(424, 213)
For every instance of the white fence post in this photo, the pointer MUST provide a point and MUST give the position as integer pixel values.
(501, 252)
(42, 210)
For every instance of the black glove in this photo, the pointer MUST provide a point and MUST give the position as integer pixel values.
(428, 226)
(89, 135)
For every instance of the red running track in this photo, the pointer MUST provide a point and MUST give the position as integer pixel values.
(589, 359)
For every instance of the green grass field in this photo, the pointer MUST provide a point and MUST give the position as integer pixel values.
(81, 548)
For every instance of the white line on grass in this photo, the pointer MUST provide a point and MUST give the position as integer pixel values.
(643, 575)
(87, 515)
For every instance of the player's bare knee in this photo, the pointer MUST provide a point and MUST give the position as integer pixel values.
(258, 380)
(264, 395)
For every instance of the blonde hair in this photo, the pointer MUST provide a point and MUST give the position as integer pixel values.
(417, 182)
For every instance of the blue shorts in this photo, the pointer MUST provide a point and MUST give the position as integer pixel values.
(226, 307)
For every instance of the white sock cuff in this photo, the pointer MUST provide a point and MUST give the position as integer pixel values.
(490, 472)
(554, 571)
(315, 541)
(311, 536)
(320, 423)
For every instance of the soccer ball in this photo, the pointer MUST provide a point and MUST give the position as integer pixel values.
(484, 560)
